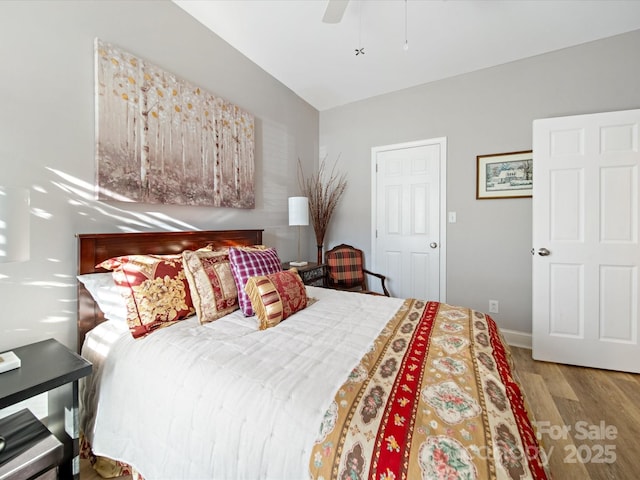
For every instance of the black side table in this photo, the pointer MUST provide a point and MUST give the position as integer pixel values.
(311, 274)
(47, 365)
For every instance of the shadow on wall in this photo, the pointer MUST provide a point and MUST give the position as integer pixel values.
(81, 194)
(40, 294)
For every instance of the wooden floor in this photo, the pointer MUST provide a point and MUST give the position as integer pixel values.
(588, 419)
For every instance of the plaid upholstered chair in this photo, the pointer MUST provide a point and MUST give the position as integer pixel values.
(345, 270)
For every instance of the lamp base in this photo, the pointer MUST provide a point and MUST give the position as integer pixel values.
(298, 264)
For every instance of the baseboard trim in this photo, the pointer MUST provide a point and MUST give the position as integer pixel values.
(516, 338)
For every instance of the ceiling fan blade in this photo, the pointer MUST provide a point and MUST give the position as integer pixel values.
(335, 11)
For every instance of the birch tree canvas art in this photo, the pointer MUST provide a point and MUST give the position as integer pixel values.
(160, 139)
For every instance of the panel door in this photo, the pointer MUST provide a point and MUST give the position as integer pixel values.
(586, 253)
(409, 242)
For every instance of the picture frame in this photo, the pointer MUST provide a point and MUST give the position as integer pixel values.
(161, 139)
(504, 175)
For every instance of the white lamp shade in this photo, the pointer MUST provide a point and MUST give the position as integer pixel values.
(298, 211)
(14, 224)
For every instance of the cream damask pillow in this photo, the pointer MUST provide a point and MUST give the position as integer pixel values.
(213, 289)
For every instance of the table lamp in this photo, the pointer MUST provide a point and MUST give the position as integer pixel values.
(298, 216)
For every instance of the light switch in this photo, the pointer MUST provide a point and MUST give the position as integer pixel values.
(452, 217)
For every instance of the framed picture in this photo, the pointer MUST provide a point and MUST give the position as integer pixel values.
(161, 139)
(504, 175)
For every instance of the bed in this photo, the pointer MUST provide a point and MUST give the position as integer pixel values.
(350, 386)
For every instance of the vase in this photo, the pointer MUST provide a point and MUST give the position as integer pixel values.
(319, 254)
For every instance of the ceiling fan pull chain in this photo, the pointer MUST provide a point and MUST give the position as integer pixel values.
(360, 50)
(406, 34)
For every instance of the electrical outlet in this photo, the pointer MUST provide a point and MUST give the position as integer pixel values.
(493, 306)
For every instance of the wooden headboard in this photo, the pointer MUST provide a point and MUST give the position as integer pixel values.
(95, 248)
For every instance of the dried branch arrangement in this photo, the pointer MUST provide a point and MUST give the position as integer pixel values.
(323, 189)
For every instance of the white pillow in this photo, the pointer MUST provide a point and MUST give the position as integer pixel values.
(107, 295)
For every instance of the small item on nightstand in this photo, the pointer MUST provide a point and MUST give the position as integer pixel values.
(9, 361)
(298, 264)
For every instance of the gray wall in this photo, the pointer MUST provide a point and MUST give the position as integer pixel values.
(485, 112)
(47, 142)
(47, 145)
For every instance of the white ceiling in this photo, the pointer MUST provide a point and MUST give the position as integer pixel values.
(316, 60)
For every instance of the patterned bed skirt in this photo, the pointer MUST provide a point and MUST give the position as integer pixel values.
(106, 467)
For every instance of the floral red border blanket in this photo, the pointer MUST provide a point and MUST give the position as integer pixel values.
(434, 398)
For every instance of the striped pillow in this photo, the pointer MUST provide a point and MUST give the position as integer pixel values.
(247, 263)
(276, 296)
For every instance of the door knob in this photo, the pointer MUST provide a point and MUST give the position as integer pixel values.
(543, 252)
(433, 245)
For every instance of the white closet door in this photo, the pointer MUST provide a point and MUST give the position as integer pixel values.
(409, 241)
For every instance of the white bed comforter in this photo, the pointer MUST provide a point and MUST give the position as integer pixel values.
(225, 400)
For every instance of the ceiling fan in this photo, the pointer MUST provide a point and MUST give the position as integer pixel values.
(334, 11)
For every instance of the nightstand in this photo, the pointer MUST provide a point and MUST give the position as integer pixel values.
(37, 451)
(312, 274)
(46, 366)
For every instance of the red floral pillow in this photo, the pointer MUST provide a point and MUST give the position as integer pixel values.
(155, 289)
(276, 296)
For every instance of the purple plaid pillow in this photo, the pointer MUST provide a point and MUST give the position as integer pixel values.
(247, 263)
